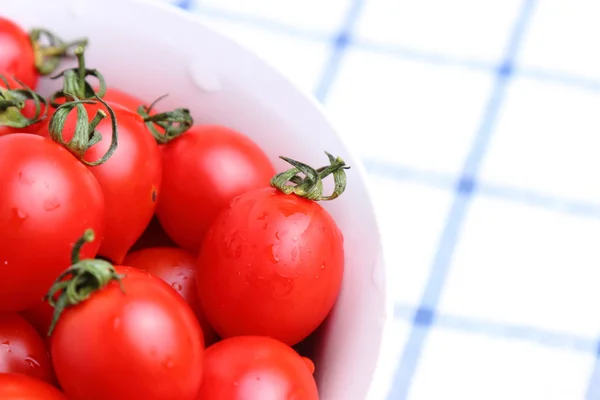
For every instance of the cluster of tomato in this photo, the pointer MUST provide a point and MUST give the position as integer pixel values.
(143, 256)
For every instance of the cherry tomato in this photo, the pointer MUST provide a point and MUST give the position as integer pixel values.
(48, 199)
(24, 351)
(204, 169)
(17, 53)
(23, 387)
(139, 342)
(254, 367)
(177, 267)
(130, 179)
(28, 111)
(270, 265)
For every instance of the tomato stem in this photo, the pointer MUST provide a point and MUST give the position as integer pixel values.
(76, 92)
(80, 280)
(75, 84)
(48, 56)
(12, 102)
(310, 186)
(173, 123)
(85, 135)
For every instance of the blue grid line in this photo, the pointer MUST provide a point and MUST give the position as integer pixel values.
(493, 329)
(439, 271)
(442, 181)
(340, 44)
(408, 53)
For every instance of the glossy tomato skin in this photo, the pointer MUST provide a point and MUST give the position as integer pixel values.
(17, 53)
(143, 343)
(203, 170)
(254, 367)
(177, 267)
(24, 351)
(271, 265)
(23, 387)
(48, 200)
(28, 111)
(130, 179)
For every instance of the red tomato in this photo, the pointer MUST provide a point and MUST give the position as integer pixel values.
(142, 342)
(271, 265)
(130, 179)
(23, 387)
(204, 169)
(254, 367)
(17, 53)
(48, 199)
(24, 351)
(177, 267)
(28, 111)
(39, 316)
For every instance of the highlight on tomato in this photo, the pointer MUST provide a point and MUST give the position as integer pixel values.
(255, 367)
(204, 169)
(22, 350)
(272, 262)
(120, 333)
(177, 267)
(47, 198)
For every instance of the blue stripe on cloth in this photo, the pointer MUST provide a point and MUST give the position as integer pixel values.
(593, 387)
(439, 271)
(184, 4)
(517, 195)
(504, 331)
(340, 44)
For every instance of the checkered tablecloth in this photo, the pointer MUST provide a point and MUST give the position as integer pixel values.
(478, 121)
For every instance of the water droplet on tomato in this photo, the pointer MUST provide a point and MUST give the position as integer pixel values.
(176, 286)
(168, 363)
(5, 263)
(323, 266)
(294, 254)
(20, 213)
(31, 362)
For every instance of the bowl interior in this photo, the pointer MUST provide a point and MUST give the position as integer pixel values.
(150, 49)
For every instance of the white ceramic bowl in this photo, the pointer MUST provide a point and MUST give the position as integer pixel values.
(149, 49)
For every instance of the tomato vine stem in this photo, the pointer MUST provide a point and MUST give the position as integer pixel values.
(310, 185)
(48, 56)
(12, 102)
(173, 123)
(76, 92)
(80, 280)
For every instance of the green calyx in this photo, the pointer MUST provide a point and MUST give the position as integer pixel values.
(75, 93)
(80, 280)
(173, 123)
(12, 103)
(307, 182)
(49, 55)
